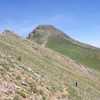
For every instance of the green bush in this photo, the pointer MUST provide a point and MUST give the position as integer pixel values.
(19, 58)
(22, 93)
(16, 97)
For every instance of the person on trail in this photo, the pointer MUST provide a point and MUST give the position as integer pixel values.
(76, 84)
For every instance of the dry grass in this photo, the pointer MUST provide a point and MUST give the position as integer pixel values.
(43, 74)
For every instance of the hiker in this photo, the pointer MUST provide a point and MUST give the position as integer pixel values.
(76, 84)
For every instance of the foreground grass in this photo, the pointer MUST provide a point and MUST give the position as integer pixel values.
(39, 72)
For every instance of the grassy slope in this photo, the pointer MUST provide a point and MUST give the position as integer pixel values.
(84, 55)
(58, 72)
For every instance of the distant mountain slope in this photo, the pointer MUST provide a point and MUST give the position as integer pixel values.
(29, 71)
(9, 33)
(55, 39)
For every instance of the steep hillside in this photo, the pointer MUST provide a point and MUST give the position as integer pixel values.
(29, 71)
(55, 39)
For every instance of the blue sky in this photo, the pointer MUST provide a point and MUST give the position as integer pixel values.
(78, 18)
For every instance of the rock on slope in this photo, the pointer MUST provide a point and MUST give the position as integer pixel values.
(29, 71)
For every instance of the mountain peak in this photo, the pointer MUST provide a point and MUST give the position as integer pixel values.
(49, 29)
(45, 26)
(42, 33)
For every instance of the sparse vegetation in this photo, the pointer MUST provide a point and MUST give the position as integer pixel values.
(42, 72)
(19, 58)
(18, 77)
(22, 93)
(16, 97)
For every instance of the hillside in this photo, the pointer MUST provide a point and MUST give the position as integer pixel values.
(29, 71)
(53, 38)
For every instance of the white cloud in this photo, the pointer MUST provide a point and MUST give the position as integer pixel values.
(95, 43)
